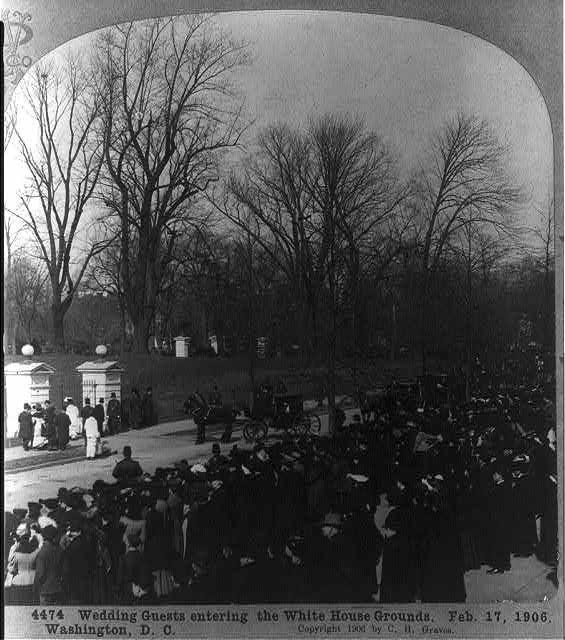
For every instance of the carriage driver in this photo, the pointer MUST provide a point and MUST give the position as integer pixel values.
(200, 413)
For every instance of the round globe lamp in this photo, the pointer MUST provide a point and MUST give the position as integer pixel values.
(101, 350)
(27, 350)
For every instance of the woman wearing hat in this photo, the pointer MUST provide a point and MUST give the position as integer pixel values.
(48, 580)
(133, 521)
(40, 430)
(77, 564)
(159, 547)
(73, 412)
(22, 560)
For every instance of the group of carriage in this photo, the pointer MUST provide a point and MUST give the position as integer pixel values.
(282, 411)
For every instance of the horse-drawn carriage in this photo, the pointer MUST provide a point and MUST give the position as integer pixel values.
(278, 411)
(269, 411)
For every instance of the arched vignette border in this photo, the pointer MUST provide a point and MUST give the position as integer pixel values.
(530, 31)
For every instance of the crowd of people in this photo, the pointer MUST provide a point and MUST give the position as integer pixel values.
(392, 509)
(46, 427)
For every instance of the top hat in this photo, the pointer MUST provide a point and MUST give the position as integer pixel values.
(20, 513)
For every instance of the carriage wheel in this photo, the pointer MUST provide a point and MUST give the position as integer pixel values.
(305, 423)
(315, 423)
(255, 430)
(261, 430)
(248, 431)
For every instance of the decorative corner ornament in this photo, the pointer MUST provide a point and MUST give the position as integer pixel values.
(17, 33)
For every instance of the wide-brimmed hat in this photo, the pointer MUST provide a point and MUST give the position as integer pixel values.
(134, 538)
(50, 503)
(332, 519)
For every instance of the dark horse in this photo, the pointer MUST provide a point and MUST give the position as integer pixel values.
(204, 414)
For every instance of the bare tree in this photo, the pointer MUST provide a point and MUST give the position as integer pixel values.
(10, 120)
(10, 237)
(316, 202)
(169, 116)
(355, 190)
(11, 233)
(63, 163)
(464, 182)
(29, 291)
(104, 276)
(474, 255)
(270, 203)
(544, 232)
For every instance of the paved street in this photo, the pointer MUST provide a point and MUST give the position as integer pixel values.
(40, 474)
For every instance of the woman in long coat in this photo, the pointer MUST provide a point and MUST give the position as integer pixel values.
(20, 577)
(159, 548)
(399, 575)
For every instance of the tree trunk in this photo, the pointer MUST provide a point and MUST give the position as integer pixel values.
(469, 323)
(141, 300)
(251, 326)
(331, 388)
(424, 324)
(141, 330)
(394, 334)
(57, 333)
(10, 330)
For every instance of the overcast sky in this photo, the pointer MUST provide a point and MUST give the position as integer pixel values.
(404, 77)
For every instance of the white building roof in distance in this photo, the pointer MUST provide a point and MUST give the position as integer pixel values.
(27, 368)
(100, 365)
